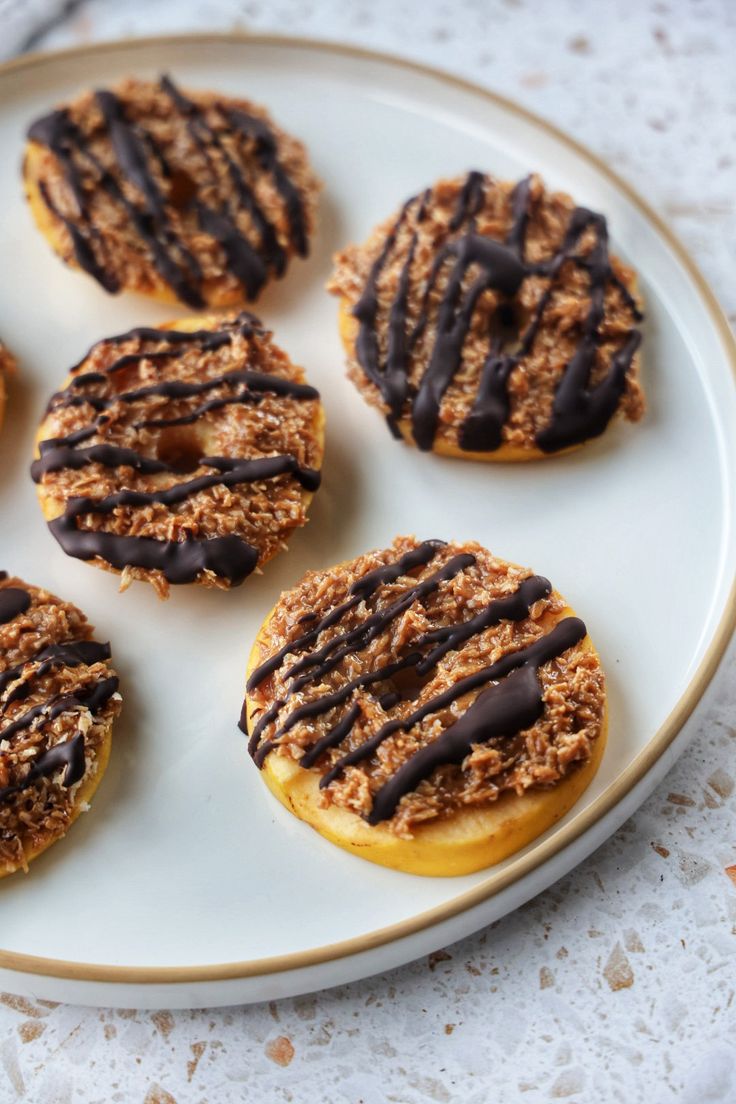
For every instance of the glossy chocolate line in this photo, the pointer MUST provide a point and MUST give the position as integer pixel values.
(244, 325)
(174, 261)
(513, 607)
(243, 398)
(466, 212)
(231, 472)
(60, 457)
(92, 698)
(508, 707)
(82, 246)
(207, 339)
(344, 644)
(482, 429)
(389, 381)
(249, 126)
(262, 382)
(356, 640)
(69, 755)
(571, 628)
(258, 728)
(72, 654)
(469, 202)
(516, 237)
(250, 267)
(229, 557)
(257, 382)
(324, 704)
(13, 602)
(579, 412)
(501, 271)
(361, 589)
(58, 453)
(334, 737)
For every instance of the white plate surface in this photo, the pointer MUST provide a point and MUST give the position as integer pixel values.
(185, 860)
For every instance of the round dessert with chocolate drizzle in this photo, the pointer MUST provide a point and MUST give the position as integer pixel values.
(189, 196)
(182, 454)
(488, 320)
(58, 700)
(429, 707)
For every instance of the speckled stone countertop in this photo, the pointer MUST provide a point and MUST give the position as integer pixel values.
(618, 983)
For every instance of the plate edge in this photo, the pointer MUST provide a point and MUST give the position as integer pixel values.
(658, 743)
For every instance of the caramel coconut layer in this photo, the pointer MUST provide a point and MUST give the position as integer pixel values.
(423, 679)
(58, 698)
(491, 316)
(180, 455)
(194, 195)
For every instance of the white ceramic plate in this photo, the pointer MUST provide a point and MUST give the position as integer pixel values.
(187, 884)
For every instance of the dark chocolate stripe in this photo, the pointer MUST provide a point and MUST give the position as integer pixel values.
(502, 271)
(231, 472)
(60, 457)
(579, 411)
(344, 644)
(249, 126)
(361, 589)
(92, 698)
(334, 737)
(324, 704)
(514, 607)
(13, 602)
(59, 453)
(258, 728)
(389, 379)
(69, 756)
(229, 557)
(510, 706)
(250, 268)
(174, 262)
(72, 654)
(82, 246)
(491, 673)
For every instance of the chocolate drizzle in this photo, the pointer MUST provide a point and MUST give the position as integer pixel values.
(142, 167)
(13, 602)
(91, 698)
(511, 702)
(229, 557)
(69, 756)
(474, 264)
(73, 654)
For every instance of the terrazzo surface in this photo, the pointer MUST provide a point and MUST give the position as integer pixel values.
(618, 983)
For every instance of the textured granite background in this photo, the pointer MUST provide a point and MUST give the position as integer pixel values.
(618, 983)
